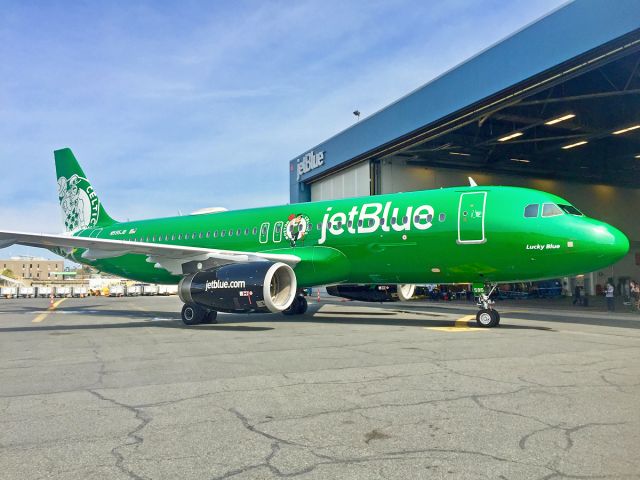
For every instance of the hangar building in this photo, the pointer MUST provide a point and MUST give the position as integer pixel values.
(555, 106)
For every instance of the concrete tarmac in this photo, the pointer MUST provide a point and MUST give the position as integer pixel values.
(120, 389)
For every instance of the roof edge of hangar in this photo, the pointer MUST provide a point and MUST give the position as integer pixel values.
(584, 35)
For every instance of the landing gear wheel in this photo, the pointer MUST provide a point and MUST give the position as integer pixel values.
(486, 318)
(192, 314)
(211, 317)
(302, 305)
(297, 307)
(292, 309)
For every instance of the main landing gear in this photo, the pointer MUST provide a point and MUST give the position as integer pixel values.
(487, 317)
(195, 315)
(298, 306)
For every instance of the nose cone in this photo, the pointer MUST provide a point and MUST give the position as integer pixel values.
(612, 243)
(620, 246)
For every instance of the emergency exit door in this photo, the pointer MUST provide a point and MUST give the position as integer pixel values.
(471, 217)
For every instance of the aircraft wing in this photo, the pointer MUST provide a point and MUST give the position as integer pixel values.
(176, 259)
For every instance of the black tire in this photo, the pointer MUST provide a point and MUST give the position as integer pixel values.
(192, 314)
(487, 318)
(210, 317)
(302, 306)
(293, 308)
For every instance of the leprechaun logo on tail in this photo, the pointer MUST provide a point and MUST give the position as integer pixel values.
(81, 207)
(79, 203)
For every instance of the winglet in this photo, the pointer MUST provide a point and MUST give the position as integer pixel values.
(472, 182)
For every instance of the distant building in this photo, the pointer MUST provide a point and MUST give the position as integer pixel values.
(32, 268)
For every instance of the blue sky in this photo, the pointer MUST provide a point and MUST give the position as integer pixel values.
(175, 106)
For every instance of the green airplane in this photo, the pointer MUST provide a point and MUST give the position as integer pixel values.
(261, 259)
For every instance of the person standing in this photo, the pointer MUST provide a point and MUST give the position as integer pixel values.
(609, 296)
(635, 295)
(576, 295)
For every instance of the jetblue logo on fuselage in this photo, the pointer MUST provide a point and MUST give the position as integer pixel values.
(310, 161)
(371, 217)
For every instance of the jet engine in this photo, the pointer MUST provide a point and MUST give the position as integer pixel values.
(374, 293)
(241, 287)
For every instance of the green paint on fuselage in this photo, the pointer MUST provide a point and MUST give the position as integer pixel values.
(512, 248)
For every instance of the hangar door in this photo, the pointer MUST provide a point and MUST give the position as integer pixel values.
(351, 182)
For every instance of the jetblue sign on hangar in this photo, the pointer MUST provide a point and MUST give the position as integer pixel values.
(309, 162)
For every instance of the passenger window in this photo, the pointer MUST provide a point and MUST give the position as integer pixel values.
(551, 210)
(405, 219)
(349, 224)
(382, 221)
(531, 211)
(393, 220)
(254, 231)
(238, 232)
(360, 222)
(200, 235)
(246, 231)
(215, 234)
(442, 217)
(222, 232)
(208, 234)
(231, 232)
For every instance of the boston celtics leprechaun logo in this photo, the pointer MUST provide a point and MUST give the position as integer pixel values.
(296, 228)
(80, 204)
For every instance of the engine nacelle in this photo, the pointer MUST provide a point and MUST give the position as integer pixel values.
(374, 293)
(241, 287)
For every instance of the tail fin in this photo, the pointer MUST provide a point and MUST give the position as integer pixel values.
(81, 207)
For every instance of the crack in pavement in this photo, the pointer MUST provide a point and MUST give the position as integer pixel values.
(134, 436)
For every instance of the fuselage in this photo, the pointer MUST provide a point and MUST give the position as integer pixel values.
(467, 234)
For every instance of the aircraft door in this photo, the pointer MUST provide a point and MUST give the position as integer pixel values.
(277, 232)
(471, 212)
(264, 232)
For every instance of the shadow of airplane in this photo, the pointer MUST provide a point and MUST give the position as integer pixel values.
(164, 319)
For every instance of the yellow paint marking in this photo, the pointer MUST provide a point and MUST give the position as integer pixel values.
(44, 315)
(461, 325)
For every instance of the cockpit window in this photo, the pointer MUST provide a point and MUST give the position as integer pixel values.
(531, 211)
(571, 210)
(551, 210)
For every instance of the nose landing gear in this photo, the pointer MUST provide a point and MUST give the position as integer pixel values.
(487, 317)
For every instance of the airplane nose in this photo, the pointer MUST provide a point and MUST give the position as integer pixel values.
(613, 243)
(620, 245)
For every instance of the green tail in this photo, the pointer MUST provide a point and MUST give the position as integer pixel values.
(81, 207)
